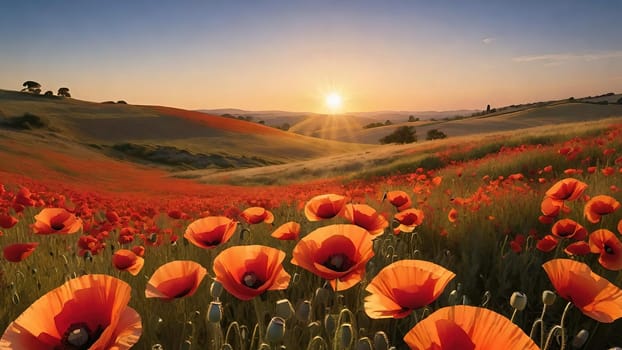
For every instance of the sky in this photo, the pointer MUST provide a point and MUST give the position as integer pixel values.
(289, 55)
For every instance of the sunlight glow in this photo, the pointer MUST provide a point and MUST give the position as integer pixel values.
(333, 101)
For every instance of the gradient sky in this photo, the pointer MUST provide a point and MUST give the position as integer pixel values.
(287, 55)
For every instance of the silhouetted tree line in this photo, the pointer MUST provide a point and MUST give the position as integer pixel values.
(35, 88)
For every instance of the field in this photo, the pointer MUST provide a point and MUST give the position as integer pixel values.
(540, 185)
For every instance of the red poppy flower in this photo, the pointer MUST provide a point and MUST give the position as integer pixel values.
(566, 190)
(547, 243)
(567, 228)
(288, 231)
(620, 226)
(139, 250)
(210, 231)
(324, 206)
(517, 243)
(366, 217)
(88, 312)
(56, 220)
(453, 215)
(337, 253)
(605, 243)
(247, 271)
(599, 206)
(577, 248)
(19, 251)
(467, 328)
(127, 260)
(592, 294)
(255, 215)
(409, 219)
(404, 286)
(176, 279)
(399, 199)
(7, 221)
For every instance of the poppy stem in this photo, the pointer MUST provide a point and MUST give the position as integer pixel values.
(259, 316)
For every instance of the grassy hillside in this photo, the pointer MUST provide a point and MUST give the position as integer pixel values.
(150, 134)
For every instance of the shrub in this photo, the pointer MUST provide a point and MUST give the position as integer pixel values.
(435, 134)
(403, 134)
(27, 122)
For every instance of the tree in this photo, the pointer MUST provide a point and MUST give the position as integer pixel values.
(435, 134)
(49, 93)
(32, 87)
(387, 122)
(411, 118)
(403, 134)
(488, 109)
(64, 92)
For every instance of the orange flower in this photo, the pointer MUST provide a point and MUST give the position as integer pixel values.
(56, 220)
(19, 251)
(288, 231)
(466, 328)
(139, 250)
(127, 260)
(551, 207)
(399, 199)
(366, 217)
(566, 190)
(605, 243)
(88, 312)
(324, 206)
(404, 286)
(176, 279)
(409, 219)
(620, 226)
(210, 231)
(337, 253)
(599, 206)
(247, 271)
(592, 294)
(453, 215)
(567, 228)
(255, 215)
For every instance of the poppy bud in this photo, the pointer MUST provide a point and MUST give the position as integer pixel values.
(518, 301)
(187, 345)
(330, 323)
(157, 347)
(363, 344)
(264, 346)
(215, 289)
(303, 311)
(548, 297)
(453, 297)
(381, 341)
(322, 295)
(579, 340)
(284, 309)
(345, 335)
(276, 330)
(214, 311)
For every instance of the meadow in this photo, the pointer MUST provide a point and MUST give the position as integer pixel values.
(450, 242)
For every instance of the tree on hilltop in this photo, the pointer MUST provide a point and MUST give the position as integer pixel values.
(64, 92)
(32, 87)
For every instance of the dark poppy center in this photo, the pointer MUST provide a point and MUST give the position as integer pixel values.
(80, 337)
(57, 226)
(183, 292)
(608, 249)
(251, 280)
(338, 262)
(212, 243)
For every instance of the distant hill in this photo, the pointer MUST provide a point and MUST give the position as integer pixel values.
(165, 136)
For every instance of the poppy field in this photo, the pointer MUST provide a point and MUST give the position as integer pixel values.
(518, 248)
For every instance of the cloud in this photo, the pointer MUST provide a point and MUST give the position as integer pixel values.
(558, 58)
(488, 40)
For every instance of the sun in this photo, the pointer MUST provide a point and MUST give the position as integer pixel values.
(333, 101)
